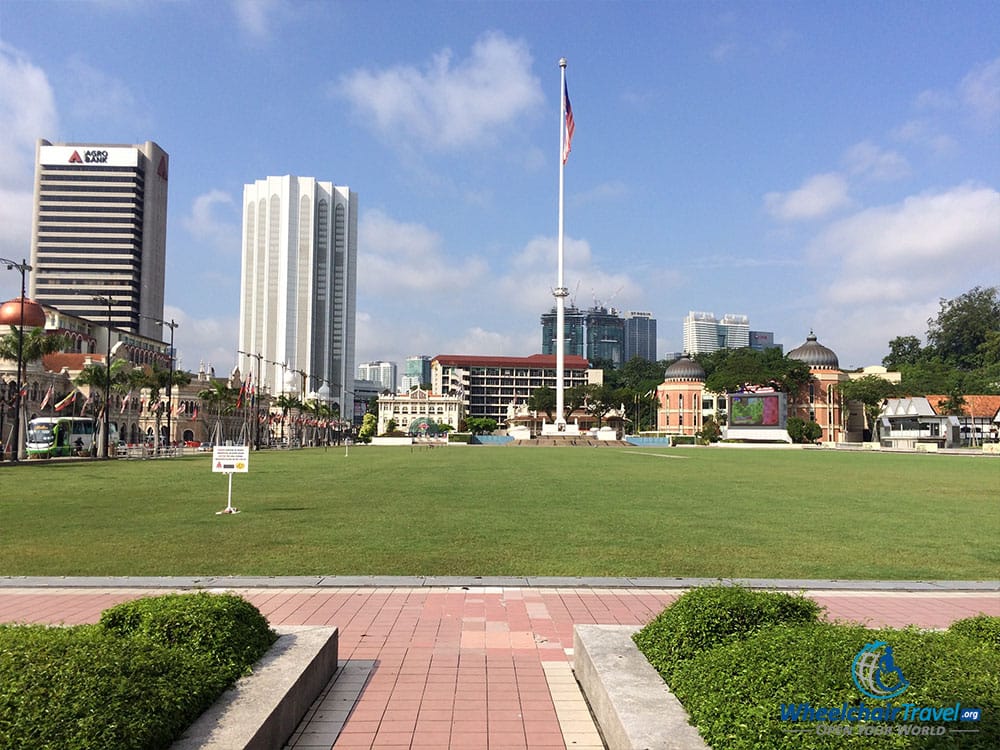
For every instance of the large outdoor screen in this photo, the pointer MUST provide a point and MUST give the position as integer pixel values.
(757, 409)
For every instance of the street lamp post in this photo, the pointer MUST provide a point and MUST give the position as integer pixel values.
(23, 267)
(107, 378)
(170, 378)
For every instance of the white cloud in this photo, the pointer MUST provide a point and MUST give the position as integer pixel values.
(27, 112)
(820, 195)
(211, 341)
(928, 234)
(204, 225)
(865, 159)
(451, 106)
(980, 92)
(406, 259)
(889, 265)
(924, 134)
(256, 18)
(97, 97)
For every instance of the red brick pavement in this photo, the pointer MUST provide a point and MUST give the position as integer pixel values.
(464, 668)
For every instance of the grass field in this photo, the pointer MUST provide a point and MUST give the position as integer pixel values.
(511, 511)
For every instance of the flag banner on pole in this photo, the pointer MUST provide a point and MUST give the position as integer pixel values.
(48, 397)
(570, 125)
(66, 401)
(125, 401)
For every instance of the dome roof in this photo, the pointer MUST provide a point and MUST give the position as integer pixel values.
(815, 354)
(10, 313)
(685, 369)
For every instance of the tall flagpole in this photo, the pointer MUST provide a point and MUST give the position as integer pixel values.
(561, 292)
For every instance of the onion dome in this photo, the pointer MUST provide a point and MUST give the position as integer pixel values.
(685, 369)
(11, 311)
(815, 354)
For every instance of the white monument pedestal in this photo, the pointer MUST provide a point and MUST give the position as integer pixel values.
(557, 430)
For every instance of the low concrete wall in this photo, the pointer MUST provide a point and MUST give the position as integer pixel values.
(633, 706)
(263, 709)
(392, 441)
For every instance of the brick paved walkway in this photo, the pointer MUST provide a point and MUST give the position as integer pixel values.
(484, 668)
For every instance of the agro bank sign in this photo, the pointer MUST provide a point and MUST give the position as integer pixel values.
(88, 155)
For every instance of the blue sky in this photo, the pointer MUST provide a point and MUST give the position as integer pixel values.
(817, 165)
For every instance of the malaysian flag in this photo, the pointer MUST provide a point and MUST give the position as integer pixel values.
(570, 125)
(48, 397)
(66, 401)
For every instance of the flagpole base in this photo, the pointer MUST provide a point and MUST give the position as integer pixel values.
(226, 511)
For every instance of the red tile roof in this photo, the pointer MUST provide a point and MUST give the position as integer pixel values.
(975, 406)
(72, 361)
(543, 361)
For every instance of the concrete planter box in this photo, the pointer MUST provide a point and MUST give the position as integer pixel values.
(632, 705)
(262, 710)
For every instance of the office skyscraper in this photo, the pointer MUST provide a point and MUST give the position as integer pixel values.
(417, 372)
(99, 229)
(605, 336)
(574, 331)
(640, 336)
(298, 288)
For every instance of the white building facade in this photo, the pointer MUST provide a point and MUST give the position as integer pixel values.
(383, 373)
(298, 287)
(703, 333)
(99, 229)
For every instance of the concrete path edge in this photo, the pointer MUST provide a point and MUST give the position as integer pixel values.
(633, 707)
(262, 710)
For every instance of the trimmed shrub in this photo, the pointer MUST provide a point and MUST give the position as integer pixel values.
(734, 692)
(79, 689)
(707, 616)
(224, 628)
(981, 627)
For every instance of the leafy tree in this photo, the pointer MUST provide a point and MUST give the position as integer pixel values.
(544, 400)
(742, 368)
(369, 424)
(903, 350)
(963, 325)
(870, 391)
(600, 400)
(953, 405)
(803, 431)
(710, 431)
(573, 399)
(480, 425)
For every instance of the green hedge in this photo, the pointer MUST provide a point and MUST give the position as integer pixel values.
(135, 684)
(733, 656)
(224, 628)
(734, 692)
(707, 616)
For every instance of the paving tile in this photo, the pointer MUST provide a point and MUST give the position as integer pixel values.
(476, 668)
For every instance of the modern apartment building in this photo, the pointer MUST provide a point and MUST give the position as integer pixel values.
(489, 385)
(99, 230)
(640, 336)
(298, 285)
(704, 334)
(383, 373)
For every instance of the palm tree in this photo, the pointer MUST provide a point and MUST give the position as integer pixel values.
(220, 397)
(286, 404)
(37, 343)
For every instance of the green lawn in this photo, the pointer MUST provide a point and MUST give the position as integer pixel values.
(511, 511)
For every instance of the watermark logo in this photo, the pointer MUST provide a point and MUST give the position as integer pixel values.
(875, 672)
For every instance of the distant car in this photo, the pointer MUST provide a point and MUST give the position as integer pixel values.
(206, 447)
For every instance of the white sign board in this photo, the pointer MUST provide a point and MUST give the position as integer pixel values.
(230, 459)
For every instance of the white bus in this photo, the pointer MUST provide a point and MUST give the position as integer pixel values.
(63, 436)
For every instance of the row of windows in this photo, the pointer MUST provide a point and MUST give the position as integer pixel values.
(58, 254)
(79, 213)
(49, 200)
(50, 190)
(115, 238)
(52, 179)
(90, 169)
